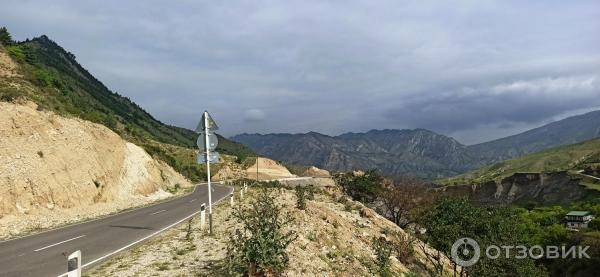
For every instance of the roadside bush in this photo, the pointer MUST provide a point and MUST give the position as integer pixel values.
(310, 192)
(258, 247)
(301, 198)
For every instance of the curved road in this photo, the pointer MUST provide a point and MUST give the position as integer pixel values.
(42, 254)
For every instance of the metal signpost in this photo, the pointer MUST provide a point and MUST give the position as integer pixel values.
(207, 143)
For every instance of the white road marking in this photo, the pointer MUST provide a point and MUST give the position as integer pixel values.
(22, 254)
(158, 212)
(145, 238)
(193, 200)
(58, 243)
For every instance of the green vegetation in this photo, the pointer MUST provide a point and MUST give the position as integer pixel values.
(450, 219)
(361, 187)
(55, 81)
(569, 157)
(5, 37)
(258, 248)
(383, 250)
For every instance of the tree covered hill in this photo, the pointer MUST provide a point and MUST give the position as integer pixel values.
(575, 158)
(51, 77)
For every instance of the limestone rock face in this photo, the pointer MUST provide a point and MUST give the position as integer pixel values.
(51, 165)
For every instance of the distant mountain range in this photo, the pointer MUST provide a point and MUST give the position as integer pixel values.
(417, 152)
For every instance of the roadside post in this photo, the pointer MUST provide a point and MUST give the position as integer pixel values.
(74, 264)
(241, 194)
(207, 143)
(231, 199)
(202, 216)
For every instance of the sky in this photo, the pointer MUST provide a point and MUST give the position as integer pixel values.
(473, 70)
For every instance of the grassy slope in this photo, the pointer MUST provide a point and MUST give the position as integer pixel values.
(53, 79)
(572, 157)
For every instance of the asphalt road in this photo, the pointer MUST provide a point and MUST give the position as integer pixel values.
(42, 254)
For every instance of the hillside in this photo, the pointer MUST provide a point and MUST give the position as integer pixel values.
(335, 238)
(394, 152)
(45, 73)
(56, 170)
(574, 157)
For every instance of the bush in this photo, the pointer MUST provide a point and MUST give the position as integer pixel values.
(595, 224)
(258, 248)
(310, 192)
(383, 249)
(301, 198)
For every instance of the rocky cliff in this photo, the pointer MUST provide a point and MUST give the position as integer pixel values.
(542, 188)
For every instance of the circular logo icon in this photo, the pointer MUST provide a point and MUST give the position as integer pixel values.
(465, 252)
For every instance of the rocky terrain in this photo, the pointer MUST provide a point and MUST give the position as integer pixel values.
(55, 170)
(334, 239)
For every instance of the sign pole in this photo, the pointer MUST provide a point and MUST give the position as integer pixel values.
(210, 223)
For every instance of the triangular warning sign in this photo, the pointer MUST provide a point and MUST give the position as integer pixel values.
(211, 123)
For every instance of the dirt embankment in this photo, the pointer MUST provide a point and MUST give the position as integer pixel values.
(542, 188)
(268, 169)
(55, 170)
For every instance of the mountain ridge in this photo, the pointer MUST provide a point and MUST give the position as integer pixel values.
(50, 76)
(418, 151)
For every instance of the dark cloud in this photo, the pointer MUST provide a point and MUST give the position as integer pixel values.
(472, 69)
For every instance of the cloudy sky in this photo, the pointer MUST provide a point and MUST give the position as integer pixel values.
(474, 70)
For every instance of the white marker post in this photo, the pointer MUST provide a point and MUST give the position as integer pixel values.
(202, 216)
(241, 194)
(231, 199)
(74, 264)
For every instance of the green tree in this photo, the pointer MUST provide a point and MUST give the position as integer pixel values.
(452, 219)
(595, 224)
(362, 187)
(5, 37)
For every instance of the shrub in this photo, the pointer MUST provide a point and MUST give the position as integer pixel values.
(301, 197)
(310, 192)
(383, 249)
(258, 247)
(188, 230)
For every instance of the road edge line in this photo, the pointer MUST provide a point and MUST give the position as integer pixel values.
(145, 238)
